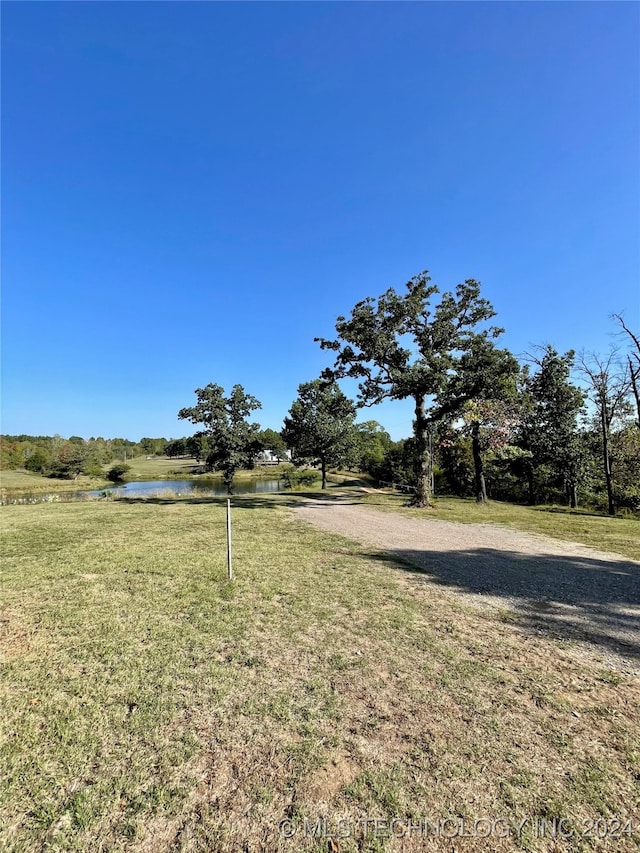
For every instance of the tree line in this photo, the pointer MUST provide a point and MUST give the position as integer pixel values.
(55, 456)
(546, 427)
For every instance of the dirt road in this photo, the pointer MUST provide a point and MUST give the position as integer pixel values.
(560, 588)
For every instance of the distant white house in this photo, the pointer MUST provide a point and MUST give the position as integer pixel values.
(268, 457)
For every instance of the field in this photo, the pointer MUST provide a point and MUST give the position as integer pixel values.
(151, 705)
(160, 468)
(24, 482)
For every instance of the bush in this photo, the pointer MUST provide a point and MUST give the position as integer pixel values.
(117, 473)
(37, 462)
(296, 477)
(93, 469)
(627, 498)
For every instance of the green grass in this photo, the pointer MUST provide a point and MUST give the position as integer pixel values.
(160, 468)
(149, 704)
(620, 535)
(25, 482)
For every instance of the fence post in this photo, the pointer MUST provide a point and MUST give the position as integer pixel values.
(229, 564)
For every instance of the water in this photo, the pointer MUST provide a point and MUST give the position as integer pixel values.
(197, 488)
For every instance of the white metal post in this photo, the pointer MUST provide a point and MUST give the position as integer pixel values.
(229, 565)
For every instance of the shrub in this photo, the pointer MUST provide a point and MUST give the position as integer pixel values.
(295, 477)
(37, 462)
(93, 469)
(117, 473)
(627, 498)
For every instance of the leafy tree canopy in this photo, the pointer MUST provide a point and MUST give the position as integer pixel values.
(483, 391)
(271, 440)
(176, 447)
(551, 405)
(320, 426)
(372, 445)
(401, 346)
(231, 437)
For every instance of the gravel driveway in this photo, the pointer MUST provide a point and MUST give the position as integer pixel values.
(560, 588)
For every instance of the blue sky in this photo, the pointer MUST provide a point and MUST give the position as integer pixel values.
(193, 191)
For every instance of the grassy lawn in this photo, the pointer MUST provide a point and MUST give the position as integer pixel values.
(25, 482)
(620, 535)
(150, 705)
(160, 468)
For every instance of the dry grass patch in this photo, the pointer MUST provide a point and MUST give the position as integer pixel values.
(156, 707)
(21, 485)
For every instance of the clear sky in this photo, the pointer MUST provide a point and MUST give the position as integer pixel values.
(193, 191)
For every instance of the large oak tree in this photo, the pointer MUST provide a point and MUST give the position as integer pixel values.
(402, 347)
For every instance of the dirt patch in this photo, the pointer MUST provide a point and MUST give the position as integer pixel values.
(320, 789)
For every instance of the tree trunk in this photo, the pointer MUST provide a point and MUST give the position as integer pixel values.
(481, 489)
(571, 490)
(531, 484)
(422, 496)
(573, 495)
(606, 458)
(634, 373)
(323, 464)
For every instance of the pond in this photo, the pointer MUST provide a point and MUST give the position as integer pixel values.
(197, 488)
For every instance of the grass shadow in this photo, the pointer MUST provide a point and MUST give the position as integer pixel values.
(578, 513)
(247, 501)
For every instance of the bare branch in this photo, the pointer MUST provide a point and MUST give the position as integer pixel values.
(633, 337)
